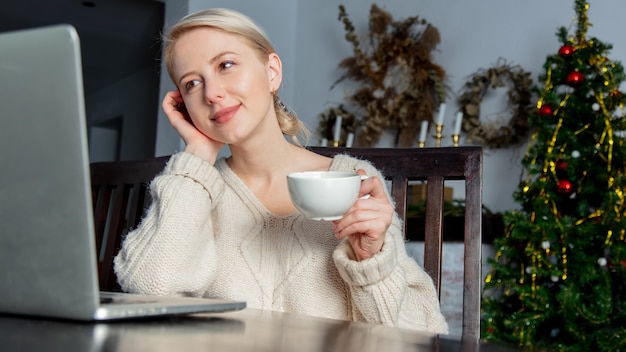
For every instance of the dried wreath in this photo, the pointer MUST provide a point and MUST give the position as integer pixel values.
(327, 122)
(497, 135)
(398, 84)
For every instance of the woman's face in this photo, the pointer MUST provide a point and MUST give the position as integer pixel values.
(225, 83)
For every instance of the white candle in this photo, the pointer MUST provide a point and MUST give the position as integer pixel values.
(337, 133)
(324, 142)
(423, 131)
(459, 121)
(442, 109)
(349, 140)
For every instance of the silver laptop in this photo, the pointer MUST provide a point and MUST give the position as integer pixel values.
(48, 261)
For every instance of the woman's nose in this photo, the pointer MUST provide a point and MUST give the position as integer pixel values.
(214, 92)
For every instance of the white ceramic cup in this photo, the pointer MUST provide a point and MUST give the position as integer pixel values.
(324, 195)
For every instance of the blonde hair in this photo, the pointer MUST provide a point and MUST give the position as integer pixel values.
(236, 23)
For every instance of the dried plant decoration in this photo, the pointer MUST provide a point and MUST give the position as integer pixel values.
(398, 84)
(497, 134)
(327, 122)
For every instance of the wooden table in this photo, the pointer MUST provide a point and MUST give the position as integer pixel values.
(246, 330)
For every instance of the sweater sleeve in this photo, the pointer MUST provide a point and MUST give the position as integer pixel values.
(172, 237)
(389, 288)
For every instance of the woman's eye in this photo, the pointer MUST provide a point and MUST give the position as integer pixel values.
(226, 65)
(191, 84)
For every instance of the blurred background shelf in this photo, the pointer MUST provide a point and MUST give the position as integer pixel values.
(493, 224)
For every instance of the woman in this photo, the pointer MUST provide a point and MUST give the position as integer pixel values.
(227, 228)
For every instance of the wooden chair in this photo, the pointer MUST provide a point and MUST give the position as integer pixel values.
(434, 166)
(119, 190)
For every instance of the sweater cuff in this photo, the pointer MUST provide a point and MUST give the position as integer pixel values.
(191, 166)
(369, 271)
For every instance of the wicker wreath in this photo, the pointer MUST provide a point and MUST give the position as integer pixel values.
(497, 134)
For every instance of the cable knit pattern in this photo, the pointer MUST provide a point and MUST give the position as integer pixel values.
(206, 234)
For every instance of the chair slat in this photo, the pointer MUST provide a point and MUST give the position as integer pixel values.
(472, 289)
(116, 224)
(101, 197)
(433, 232)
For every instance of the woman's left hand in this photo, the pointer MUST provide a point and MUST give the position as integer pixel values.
(366, 223)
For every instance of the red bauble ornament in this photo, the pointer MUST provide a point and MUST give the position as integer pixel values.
(616, 94)
(561, 165)
(546, 110)
(565, 187)
(575, 79)
(566, 51)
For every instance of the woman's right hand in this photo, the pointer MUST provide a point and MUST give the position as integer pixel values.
(196, 142)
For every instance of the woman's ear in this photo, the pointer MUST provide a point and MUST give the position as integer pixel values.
(275, 71)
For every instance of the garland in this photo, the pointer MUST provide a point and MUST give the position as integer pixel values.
(497, 134)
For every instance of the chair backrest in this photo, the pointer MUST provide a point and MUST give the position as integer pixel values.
(119, 190)
(434, 166)
(120, 197)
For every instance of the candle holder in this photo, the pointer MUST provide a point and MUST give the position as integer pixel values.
(438, 134)
(335, 143)
(455, 140)
(421, 144)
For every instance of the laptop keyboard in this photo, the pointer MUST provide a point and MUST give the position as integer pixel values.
(122, 300)
(106, 300)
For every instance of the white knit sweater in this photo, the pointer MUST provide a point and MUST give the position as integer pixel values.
(206, 234)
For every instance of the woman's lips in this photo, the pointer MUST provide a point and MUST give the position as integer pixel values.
(225, 114)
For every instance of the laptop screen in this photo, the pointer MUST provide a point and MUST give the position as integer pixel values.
(46, 233)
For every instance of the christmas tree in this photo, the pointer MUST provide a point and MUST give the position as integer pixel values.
(558, 279)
